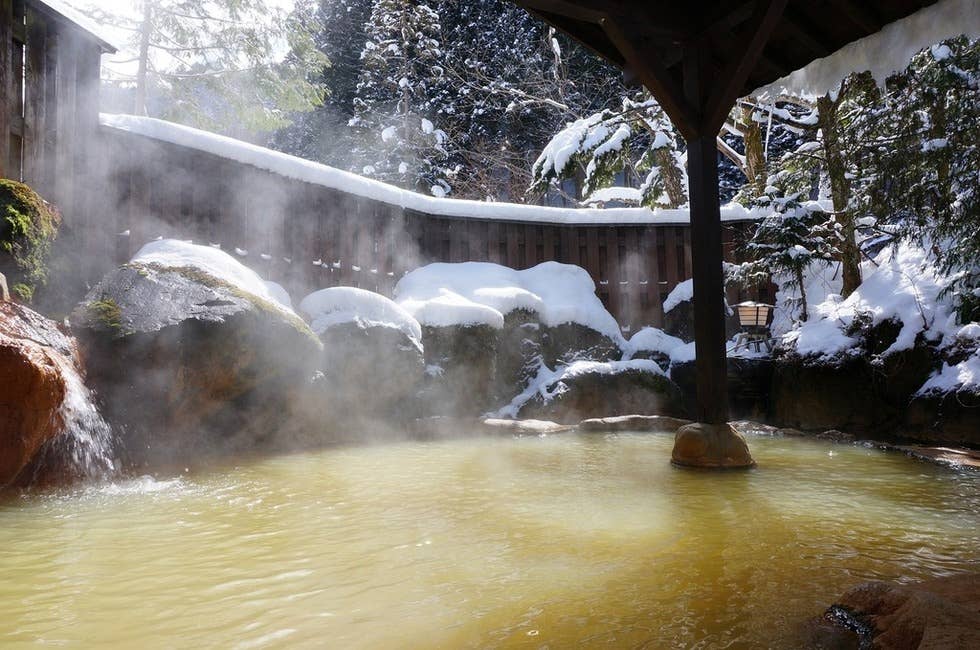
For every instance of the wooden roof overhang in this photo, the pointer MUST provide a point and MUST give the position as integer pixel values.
(698, 57)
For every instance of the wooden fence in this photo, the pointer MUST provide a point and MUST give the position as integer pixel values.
(307, 236)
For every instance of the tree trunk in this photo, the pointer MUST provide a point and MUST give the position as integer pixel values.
(840, 192)
(755, 156)
(673, 177)
(139, 107)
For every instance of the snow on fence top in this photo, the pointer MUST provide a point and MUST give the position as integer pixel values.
(444, 294)
(318, 174)
(214, 262)
(338, 305)
(882, 53)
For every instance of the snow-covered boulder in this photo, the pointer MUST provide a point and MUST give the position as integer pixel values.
(679, 314)
(372, 360)
(946, 408)
(191, 352)
(591, 389)
(657, 345)
(505, 321)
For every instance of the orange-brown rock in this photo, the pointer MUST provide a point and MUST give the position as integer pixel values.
(710, 446)
(33, 352)
(938, 613)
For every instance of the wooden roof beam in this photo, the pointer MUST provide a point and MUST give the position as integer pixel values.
(645, 64)
(815, 43)
(860, 14)
(733, 77)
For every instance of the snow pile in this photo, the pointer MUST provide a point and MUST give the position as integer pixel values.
(325, 176)
(338, 305)
(469, 293)
(549, 384)
(883, 52)
(651, 339)
(821, 279)
(279, 294)
(903, 285)
(683, 292)
(214, 262)
(629, 195)
(965, 374)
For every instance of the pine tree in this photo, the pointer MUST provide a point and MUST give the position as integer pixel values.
(323, 134)
(636, 139)
(214, 65)
(398, 95)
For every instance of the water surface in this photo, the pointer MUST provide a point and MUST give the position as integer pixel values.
(590, 540)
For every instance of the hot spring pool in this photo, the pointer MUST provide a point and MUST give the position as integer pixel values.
(591, 540)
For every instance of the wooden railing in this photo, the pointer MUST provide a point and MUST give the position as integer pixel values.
(308, 236)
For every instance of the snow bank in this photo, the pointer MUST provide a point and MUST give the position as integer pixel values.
(683, 292)
(467, 293)
(965, 374)
(548, 383)
(349, 305)
(279, 294)
(651, 339)
(317, 174)
(214, 262)
(883, 52)
(905, 286)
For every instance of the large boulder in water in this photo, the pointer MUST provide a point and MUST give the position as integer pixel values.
(191, 355)
(585, 390)
(34, 355)
(372, 361)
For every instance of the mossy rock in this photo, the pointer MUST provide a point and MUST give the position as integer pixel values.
(28, 226)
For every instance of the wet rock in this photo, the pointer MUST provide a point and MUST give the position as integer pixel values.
(518, 350)
(569, 342)
(369, 371)
(952, 418)
(191, 366)
(598, 393)
(460, 368)
(711, 446)
(34, 356)
(853, 393)
(951, 457)
(651, 423)
(931, 615)
(750, 382)
(4, 292)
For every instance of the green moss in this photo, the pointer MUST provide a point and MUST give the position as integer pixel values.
(208, 280)
(28, 226)
(24, 292)
(107, 312)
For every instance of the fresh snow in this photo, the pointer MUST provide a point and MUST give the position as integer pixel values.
(337, 305)
(651, 339)
(683, 292)
(965, 374)
(81, 20)
(214, 262)
(279, 294)
(883, 52)
(318, 174)
(902, 284)
(444, 294)
(608, 194)
(549, 383)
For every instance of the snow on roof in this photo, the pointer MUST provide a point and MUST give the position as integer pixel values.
(882, 53)
(318, 174)
(87, 24)
(221, 265)
(444, 294)
(338, 305)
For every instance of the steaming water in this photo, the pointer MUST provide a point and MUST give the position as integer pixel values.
(538, 542)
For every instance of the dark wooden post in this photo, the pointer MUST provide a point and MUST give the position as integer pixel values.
(709, 284)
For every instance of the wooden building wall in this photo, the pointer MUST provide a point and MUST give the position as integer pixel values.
(307, 236)
(49, 109)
